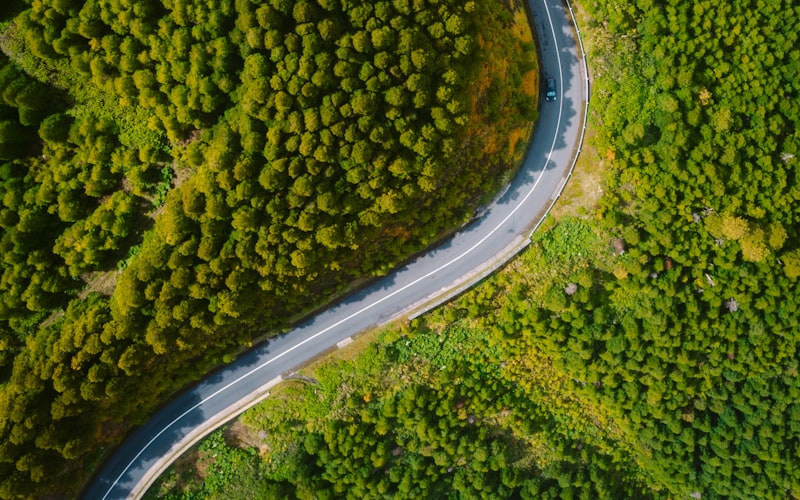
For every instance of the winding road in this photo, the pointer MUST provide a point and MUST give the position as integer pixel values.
(498, 234)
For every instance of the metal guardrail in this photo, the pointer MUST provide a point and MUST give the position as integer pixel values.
(583, 125)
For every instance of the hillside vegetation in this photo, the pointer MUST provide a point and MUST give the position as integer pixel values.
(648, 350)
(180, 177)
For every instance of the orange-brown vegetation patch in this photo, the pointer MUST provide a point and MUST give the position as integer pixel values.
(514, 137)
(496, 66)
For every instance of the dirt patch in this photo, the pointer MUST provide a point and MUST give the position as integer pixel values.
(51, 319)
(155, 213)
(187, 463)
(241, 436)
(180, 174)
(100, 282)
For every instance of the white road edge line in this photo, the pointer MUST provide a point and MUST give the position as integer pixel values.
(382, 299)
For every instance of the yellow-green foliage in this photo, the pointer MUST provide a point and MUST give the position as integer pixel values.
(670, 364)
(237, 163)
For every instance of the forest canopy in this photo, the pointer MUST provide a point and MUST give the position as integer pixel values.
(648, 349)
(179, 177)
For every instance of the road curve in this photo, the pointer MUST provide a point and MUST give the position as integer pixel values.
(495, 237)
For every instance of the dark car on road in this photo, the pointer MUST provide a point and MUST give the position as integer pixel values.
(550, 95)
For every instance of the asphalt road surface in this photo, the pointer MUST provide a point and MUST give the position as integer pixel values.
(504, 228)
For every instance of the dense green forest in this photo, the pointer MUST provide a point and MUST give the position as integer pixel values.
(421, 413)
(647, 349)
(178, 178)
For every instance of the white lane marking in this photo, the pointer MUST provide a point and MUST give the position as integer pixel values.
(382, 299)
